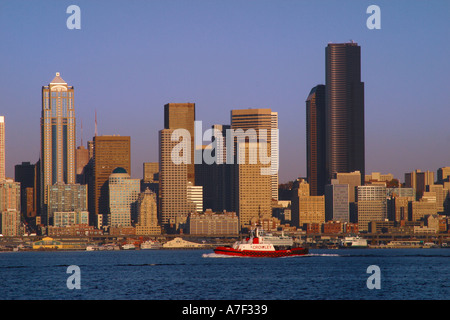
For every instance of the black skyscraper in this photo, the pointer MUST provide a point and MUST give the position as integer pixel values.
(315, 140)
(344, 109)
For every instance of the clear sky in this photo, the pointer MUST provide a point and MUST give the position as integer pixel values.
(131, 57)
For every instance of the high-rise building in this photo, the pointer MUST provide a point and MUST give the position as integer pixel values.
(147, 214)
(25, 174)
(110, 152)
(315, 140)
(371, 205)
(173, 181)
(57, 137)
(10, 220)
(344, 98)
(253, 187)
(123, 196)
(182, 116)
(2, 149)
(275, 151)
(442, 174)
(65, 198)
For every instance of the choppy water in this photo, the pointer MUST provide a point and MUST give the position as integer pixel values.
(406, 274)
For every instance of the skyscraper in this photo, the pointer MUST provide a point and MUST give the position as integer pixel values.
(2, 148)
(344, 109)
(182, 116)
(110, 152)
(315, 140)
(172, 181)
(57, 137)
(123, 197)
(252, 188)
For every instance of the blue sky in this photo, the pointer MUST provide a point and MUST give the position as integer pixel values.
(131, 57)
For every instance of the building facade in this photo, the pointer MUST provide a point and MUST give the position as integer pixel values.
(147, 211)
(58, 137)
(63, 198)
(123, 197)
(315, 141)
(2, 149)
(371, 205)
(110, 152)
(344, 109)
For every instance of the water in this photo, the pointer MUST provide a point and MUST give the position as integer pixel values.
(406, 274)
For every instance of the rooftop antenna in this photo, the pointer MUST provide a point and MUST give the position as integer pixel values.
(81, 131)
(95, 134)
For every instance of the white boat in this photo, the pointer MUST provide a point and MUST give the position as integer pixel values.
(92, 248)
(151, 245)
(128, 246)
(353, 242)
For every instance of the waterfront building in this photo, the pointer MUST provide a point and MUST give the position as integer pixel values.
(344, 97)
(2, 149)
(65, 198)
(70, 218)
(336, 202)
(315, 140)
(214, 224)
(58, 137)
(371, 205)
(419, 209)
(123, 197)
(147, 211)
(110, 152)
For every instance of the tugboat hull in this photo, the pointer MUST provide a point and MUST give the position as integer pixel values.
(261, 253)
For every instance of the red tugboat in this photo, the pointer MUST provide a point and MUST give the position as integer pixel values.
(260, 245)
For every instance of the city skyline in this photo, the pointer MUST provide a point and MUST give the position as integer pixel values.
(264, 60)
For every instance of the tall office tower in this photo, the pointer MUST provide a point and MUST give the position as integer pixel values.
(10, 221)
(25, 174)
(315, 141)
(275, 155)
(182, 116)
(371, 204)
(173, 180)
(57, 137)
(219, 188)
(2, 149)
(344, 97)
(252, 176)
(147, 214)
(123, 195)
(262, 119)
(110, 152)
(64, 198)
